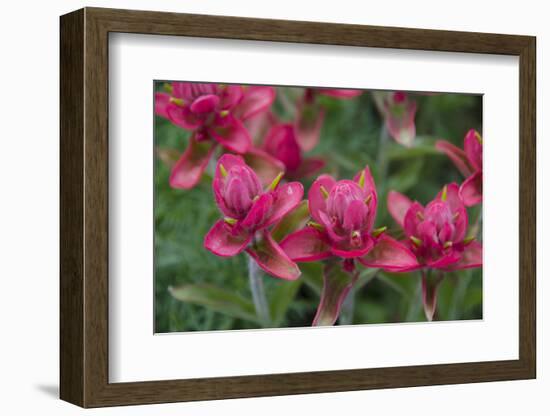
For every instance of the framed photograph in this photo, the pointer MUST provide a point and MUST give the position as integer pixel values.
(256, 207)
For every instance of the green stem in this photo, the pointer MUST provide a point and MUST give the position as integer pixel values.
(348, 307)
(431, 280)
(382, 159)
(415, 303)
(459, 293)
(255, 278)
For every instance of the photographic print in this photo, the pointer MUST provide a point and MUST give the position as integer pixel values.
(279, 207)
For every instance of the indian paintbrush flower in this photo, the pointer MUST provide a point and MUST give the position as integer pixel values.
(470, 163)
(437, 235)
(399, 112)
(215, 114)
(343, 214)
(248, 211)
(281, 143)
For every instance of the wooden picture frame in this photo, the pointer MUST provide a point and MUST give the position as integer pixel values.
(84, 207)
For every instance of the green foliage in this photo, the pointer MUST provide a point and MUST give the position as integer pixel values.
(197, 291)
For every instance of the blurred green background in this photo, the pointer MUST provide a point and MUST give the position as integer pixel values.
(350, 139)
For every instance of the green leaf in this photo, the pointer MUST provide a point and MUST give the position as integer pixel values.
(406, 177)
(217, 299)
(403, 283)
(422, 146)
(365, 276)
(292, 221)
(312, 275)
(280, 299)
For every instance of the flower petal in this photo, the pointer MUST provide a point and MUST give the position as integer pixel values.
(183, 117)
(230, 96)
(189, 168)
(457, 156)
(272, 259)
(471, 189)
(351, 253)
(266, 166)
(281, 143)
(445, 262)
(390, 255)
(474, 149)
(308, 167)
(255, 100)
(454, 199)
(227, 163)
(205, 104)
(413, 219)
(162, 101)
(472, 257)
(398, 205)
(231, 134)
(401, 127)
(336, 285)
(452, 196)
(339, 92)
(307, 244)
(317, 201)
(286, 198)
(225, 240)
(369, 187)
(258, 213)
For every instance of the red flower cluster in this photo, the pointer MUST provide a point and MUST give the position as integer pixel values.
(255, 188)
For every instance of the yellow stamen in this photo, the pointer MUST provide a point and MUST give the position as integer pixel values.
(315, 225)
(224, 113)
(468, 240)
(276, 181)
(378, 231)
(448, 244)
(368, 199)
(478, 137)
(416, 241)
(230, 221)
(178, 101)
(223, 171)
(362, 179)
(168, 88)
(444, 193)
(324, 191)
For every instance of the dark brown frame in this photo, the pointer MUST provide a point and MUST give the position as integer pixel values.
(84, 207)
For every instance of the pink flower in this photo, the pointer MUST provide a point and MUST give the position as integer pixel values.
(248, 211)
(470, 163)
(310, 115)
(215, 114)
(342, 232)
(398, 112)
(338, 92)
(281, 143)
(344, 213)
(437, 233)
